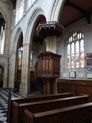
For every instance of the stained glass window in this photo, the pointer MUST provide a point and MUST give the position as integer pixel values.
(77, 54)
(68, 55)
(31, 55)
(72, 55)
(20, 53)
(82, 53)
(75, 51)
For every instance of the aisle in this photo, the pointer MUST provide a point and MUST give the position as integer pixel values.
(4, 102)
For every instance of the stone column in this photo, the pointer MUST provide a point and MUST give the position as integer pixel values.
(25, 77)
(51, 44)
(12, 69)
(4, 64)
(5, 78)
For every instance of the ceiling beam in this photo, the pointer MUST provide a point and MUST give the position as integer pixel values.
(81, 10)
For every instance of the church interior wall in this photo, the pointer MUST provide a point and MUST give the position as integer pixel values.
(86, 29)
(30, 14)
(37, 48)
(6, 11)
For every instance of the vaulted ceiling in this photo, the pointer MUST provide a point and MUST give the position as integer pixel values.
(73, 10)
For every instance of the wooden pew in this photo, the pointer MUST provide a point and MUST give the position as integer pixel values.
(72, 114)
(46, 105)
(33, 99)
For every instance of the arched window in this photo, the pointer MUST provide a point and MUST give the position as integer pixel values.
(2, 39)
(31, 55)
(2, 33)
(75, 50)
(20, 54)
(20, 10)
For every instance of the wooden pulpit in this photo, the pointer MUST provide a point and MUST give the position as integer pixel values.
(48, 68)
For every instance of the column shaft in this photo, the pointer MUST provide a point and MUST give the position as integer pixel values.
(25, 77)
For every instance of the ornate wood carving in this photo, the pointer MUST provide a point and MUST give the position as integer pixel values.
(49, 28)
(48, 68)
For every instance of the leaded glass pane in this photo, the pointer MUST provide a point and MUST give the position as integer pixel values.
(72, 49)
(77, 47)
(77, 54)
(82, 45)
(68, 61)
(82, 60)
(31, 60)
(19, 59)
(75, 51)
(80, 35)
(72, 55)
(72, 61)
(82, 53)
(68, 49)
(68, 55)
(77, 61)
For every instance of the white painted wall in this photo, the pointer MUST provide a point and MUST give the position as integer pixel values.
(86, 29)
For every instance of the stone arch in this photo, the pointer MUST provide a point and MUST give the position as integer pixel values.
(57, 6)
(17, 35)
(31, 24)
(5, 17)
(16, 40)
(7, 29)
(12, 67)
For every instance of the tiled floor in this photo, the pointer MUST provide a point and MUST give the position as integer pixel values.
(4, 102)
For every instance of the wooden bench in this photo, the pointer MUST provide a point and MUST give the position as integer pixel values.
(46, 105)
(33, 99)
(72, 114)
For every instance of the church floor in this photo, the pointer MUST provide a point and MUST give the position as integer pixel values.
(4, 102)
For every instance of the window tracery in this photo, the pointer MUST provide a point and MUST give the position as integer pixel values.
(75, 50)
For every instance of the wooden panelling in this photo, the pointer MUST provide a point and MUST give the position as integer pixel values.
(48, 65)
(76, 86)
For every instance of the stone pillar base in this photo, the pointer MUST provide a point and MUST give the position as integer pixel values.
(24, 88)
